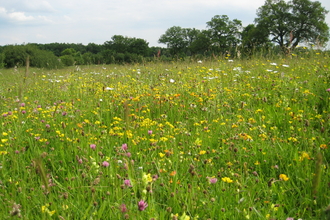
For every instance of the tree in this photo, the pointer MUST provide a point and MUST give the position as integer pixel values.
(298, 21)
(128, 47)
(253, 38)
(201, 44)
(93, 48)
(175, 39)
(118, 43)
(70, 57)
(310, 25)
(138, 46)
(224, 33)
(15, 55)
(2, 58)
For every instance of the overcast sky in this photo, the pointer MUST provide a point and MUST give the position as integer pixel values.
(96, 21)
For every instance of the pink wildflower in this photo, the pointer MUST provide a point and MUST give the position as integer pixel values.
(142, 205)
(212, 180)
(127, 183)
(123, 208)
(93, 146)
(124, 147)
(105, 163)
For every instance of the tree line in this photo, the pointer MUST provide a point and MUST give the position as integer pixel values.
(279, 26)
(119, 49)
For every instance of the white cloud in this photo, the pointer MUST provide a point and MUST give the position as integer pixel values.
(14, 16)
(40, 6)
(19, 16)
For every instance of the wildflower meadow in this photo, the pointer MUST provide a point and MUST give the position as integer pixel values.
(201, 139)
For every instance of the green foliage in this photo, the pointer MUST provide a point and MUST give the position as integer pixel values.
(15, 55)
(121, 44)
(201, 43)
(2, 59)
(45, 59)
(224, 33)
(67, 60)
(69, 51)
(176, 40)
(108, 56)
(294, 22)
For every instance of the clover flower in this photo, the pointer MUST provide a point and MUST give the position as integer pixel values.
(142, 205)
(105, 163)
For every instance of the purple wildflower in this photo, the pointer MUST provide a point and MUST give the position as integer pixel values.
(127, 183)
(123, 208)
(142, 205)
(105, 163)
(150, 132)
(93, 146)
(124, 147)
(212, 180)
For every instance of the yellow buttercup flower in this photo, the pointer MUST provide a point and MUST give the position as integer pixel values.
(227, 180)
(284, 177)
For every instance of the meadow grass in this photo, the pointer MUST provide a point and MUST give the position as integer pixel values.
(217, 139)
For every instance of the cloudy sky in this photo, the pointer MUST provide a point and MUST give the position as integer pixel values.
(96, 21)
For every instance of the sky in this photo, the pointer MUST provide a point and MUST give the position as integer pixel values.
(96, 21)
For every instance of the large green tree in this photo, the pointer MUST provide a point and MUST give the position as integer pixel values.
(201, 44)
(121, 44)
(253, 39)
(15, 55)
(293, 22)
(224, 33)
(175, 39)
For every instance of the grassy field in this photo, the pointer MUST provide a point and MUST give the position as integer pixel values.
(221, 139)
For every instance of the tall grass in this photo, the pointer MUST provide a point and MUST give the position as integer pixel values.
(218, 139)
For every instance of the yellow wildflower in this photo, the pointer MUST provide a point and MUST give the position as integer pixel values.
(227, 180)
(284, 177)
(44, 209)
(146, 178)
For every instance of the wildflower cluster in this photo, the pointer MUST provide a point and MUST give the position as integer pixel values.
(236, 139)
